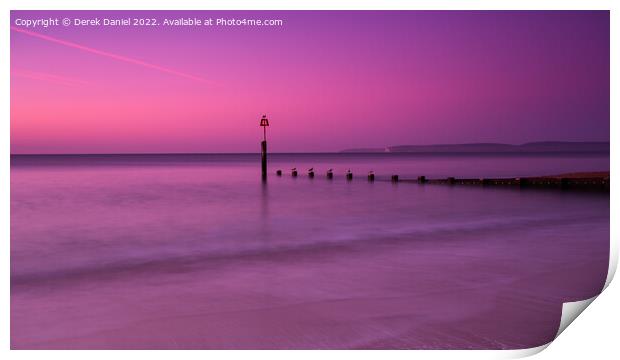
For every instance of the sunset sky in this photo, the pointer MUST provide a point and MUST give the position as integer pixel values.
(327, 81)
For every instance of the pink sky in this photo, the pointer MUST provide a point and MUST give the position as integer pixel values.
(326, 80)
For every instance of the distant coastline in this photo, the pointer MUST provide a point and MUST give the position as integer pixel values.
(531, 147)
(550, 147)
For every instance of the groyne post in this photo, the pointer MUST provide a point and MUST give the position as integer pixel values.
(264, 122)
(263, 159)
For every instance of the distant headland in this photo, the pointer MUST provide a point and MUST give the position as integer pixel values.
(531, 147)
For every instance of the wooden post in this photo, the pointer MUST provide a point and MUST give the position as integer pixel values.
(263, 157)
(421, 179)
(264, 122)
(394, 178)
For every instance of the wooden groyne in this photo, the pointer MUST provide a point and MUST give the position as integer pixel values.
(596, 181)
(580, 181)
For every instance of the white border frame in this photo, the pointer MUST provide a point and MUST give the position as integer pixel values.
(597, 331)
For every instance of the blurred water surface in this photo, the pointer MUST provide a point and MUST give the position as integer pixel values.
(194, 251)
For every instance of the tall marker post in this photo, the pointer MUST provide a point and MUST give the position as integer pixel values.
(264, 122)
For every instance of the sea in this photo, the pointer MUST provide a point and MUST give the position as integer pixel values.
(195, 251)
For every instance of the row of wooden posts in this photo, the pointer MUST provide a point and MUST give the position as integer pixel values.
(394, 178)
(330, 174)
(555, 182)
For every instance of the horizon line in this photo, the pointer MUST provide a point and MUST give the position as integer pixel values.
(341, 151)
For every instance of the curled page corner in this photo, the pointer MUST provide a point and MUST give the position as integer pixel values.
(523, 353)
(613, 263)
(570, 311)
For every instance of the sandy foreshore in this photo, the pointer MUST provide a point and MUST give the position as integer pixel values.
(493, 290)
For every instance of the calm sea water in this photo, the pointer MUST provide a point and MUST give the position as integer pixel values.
(194, 251)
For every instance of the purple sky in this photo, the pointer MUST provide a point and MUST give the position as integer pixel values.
(327, 81)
